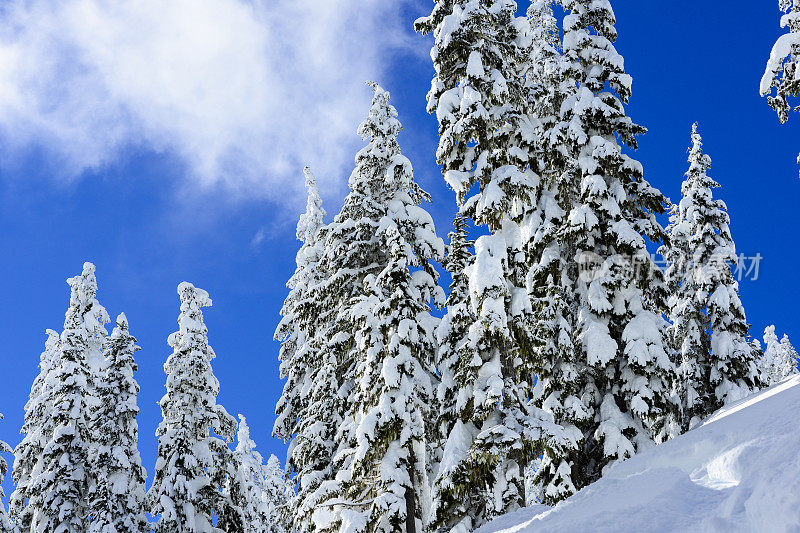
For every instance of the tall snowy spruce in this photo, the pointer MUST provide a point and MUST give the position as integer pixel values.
(390, 404)
(250, 488)
(781, 78)
(597, 295)
(37, 429)
(781, 71)
(308, 416)
(717, 364)
(780, 359)
(58, 493)
(193, 463)
(6, 525)
(352, 251)
(117, 491)
(479, 99)
(304, 410)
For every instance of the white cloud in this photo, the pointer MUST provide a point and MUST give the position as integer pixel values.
(244, 92)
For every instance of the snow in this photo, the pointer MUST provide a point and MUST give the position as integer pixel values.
(739, 471)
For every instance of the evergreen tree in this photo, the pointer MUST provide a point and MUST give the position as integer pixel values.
(242, 488)
(303, 409)
(37, 428)
(717, 363)
(479, 101)
(276, 493)
(790, 359)
(781, 70)
(780, 358)
(451, 335)
(597, 295)
(116, 496)
(247, 489)
(353, 251)
(6, 525)
(193, 462)
(395, 336)
(58, 494)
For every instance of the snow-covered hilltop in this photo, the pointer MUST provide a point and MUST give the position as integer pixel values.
(739, 471)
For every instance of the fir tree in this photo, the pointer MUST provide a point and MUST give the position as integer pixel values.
(781, 70)
(395, 335)
(192, 461)
(717, 364)
(276, 493)
(604, 365)
(58, 494)
(477, 95)
(252, 511)
(780, 358)
(116, 496)
(353, 251)
(303, 407)
(37, 428)
(6, 525)
(452, 333)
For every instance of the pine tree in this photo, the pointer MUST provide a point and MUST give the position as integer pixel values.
(276, 493)
(790, 359)
(247, 489)
(37, 428)
(193, 462)
(781, 70)
(303, 407)
(6, 525)
(604, 365)
(58, 494)
(717, 364)
(480, 104)
(452, 333)
(117, 494)
(780, 359)
(395, 336)
(352, 252)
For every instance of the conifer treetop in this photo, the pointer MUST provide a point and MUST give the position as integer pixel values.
(312, 220)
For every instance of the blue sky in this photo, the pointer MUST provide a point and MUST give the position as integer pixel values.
(166, 144)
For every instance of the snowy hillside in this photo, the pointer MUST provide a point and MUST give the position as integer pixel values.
(740, 471)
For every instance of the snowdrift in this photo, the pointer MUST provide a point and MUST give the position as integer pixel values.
(739, 471)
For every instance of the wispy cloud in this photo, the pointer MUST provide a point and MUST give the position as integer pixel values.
(244, 92)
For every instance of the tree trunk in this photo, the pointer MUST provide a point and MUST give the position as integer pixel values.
(411, 515)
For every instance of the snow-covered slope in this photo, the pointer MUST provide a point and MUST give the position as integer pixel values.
(740, 471)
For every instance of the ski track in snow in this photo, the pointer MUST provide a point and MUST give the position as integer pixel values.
(739, 471)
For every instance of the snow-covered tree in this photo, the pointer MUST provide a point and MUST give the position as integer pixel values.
(395, 334)
(475, 95)
(117, 491)
(193, 461)
(256, 509)
(58, 492)
(303, 409)
(37, 428)
(352, 252)
(276, 493)
(6, 525)
(709, 329)
(780, 359)
(781, 72)
(597, 295)
(452, 333)
(479, 99)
